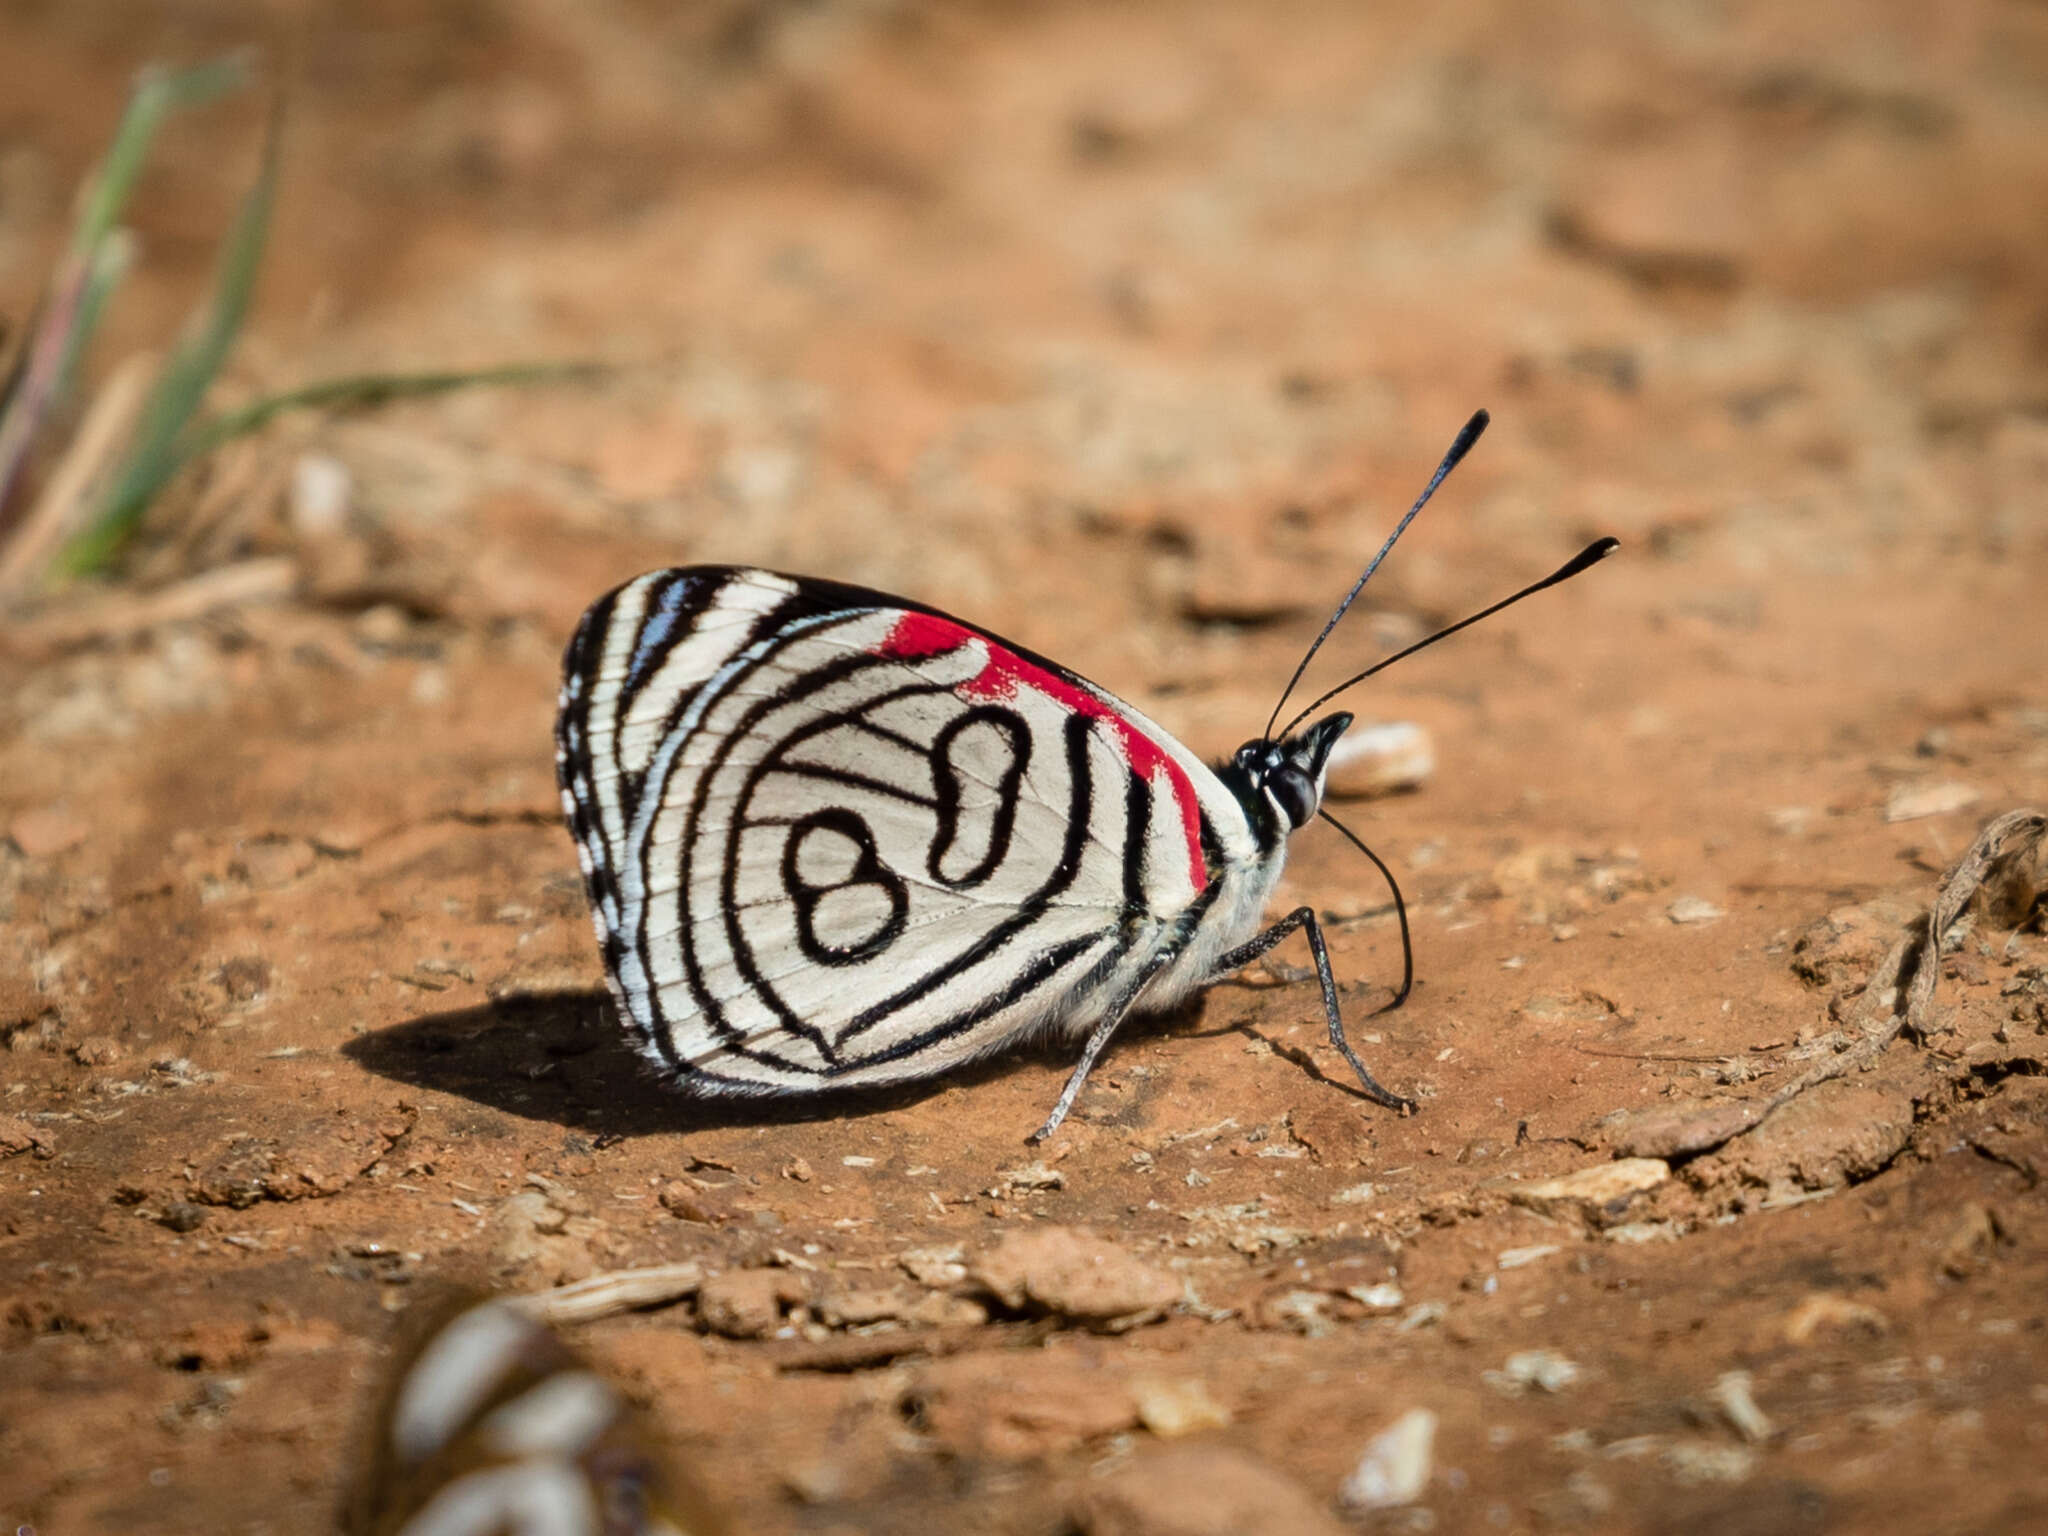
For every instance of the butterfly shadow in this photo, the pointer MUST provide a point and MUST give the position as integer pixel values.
(560, 1057)
(1329, 1070)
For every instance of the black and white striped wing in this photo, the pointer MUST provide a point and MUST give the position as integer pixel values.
(490, 1426)
(832, 838)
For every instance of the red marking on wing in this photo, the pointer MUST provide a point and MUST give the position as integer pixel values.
(924, 634)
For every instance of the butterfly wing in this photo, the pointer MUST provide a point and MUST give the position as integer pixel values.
(489, 1424)
(831, 837)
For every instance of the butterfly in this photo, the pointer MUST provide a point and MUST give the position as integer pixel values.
(490, 1426)
(834, 838)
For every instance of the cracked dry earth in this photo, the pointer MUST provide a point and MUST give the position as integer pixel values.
(1125, 333)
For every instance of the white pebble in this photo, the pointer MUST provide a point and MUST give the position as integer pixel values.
(1542, 1370)
(319, 498)
(1910, 802)
(1380, 759)
(1396, 1465)
(1694, 909)
(1384, 1297)
(1732, 1395)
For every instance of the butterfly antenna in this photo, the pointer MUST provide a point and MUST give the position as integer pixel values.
(1460, 446)
(1586, 558)
(1400, 911)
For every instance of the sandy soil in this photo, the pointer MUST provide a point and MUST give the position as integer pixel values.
(1125, 331)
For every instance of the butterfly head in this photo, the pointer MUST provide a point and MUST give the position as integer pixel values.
(1288, 774)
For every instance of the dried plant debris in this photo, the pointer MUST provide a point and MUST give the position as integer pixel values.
(1911, 802)
(546, 1234)
(1900, 992)
(1858, 1130)
(1840, 950)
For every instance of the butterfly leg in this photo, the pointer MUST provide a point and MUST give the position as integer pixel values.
(1098, 1037)
(1305, 918)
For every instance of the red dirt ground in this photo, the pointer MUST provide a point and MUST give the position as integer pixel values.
(1126, 331)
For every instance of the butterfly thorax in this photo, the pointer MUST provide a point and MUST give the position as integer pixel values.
(1278, 786)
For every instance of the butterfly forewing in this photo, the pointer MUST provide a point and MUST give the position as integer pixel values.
(833, 838)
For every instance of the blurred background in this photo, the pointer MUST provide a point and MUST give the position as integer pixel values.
(1125, 329)
(1017, 307)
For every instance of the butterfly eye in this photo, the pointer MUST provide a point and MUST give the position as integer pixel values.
(1294, 793)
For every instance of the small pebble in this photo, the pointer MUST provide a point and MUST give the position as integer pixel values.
(1910, 802)
(1075, 1274)
(50, 830)
(180, 1216)
(1380, 759)
(1172, 1408)
(1541, 1370)
(1383, 1297)
(1693, 1464)
(1396, 1465)
(1694, 909)
(1789, 820)
(318, 501)
(1731, 1394)
(1597, 1193)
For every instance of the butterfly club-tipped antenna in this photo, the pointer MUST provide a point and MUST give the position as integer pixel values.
(1591, 555)
(1584, 560)
(1460, 446)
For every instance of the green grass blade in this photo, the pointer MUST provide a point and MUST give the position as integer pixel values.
(158, 92)
(357, 391)
(187, 375)
(96, 258)
(110, 264)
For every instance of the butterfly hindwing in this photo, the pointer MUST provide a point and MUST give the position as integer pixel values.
(489, 1425)
(831, 837)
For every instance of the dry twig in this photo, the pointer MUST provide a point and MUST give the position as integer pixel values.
(606, 1295)
(1900, 992)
